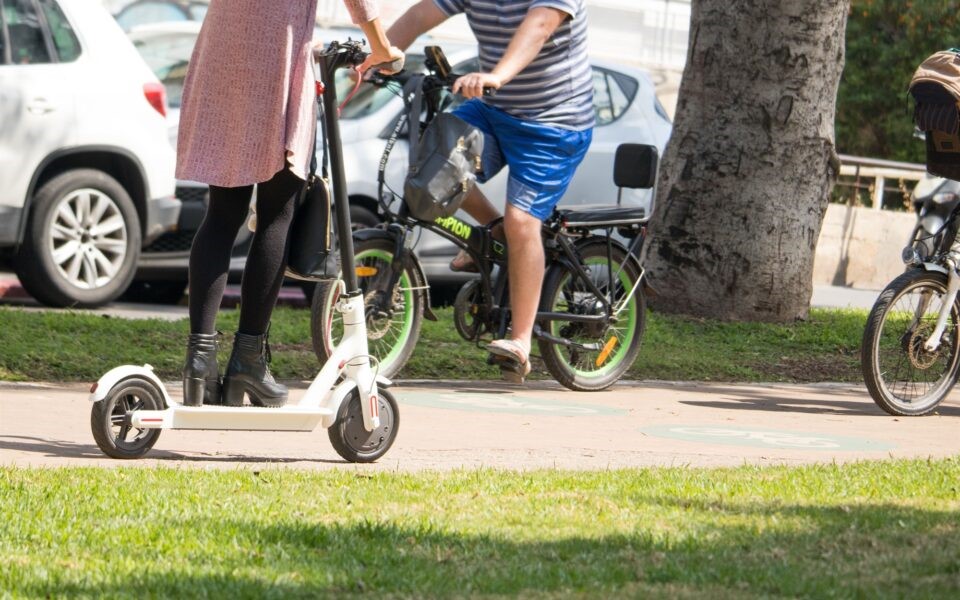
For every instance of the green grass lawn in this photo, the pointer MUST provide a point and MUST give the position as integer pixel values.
(66, 346)
(868, 530)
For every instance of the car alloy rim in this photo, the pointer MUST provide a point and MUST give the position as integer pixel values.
(88, 238)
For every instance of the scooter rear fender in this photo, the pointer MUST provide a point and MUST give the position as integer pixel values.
(102, 387)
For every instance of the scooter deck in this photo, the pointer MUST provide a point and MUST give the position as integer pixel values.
(241, 418)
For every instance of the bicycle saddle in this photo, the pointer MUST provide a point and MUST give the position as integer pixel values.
(598, 217)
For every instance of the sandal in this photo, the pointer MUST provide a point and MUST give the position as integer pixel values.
(463, 263)
(512, 358)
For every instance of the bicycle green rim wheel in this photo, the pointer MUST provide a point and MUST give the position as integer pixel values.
(624, 330)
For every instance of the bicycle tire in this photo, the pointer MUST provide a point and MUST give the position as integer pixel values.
(885, 353)
(620, 341)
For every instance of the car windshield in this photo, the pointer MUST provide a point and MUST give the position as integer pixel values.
(368, 99)
(144, 12)
(168, 56)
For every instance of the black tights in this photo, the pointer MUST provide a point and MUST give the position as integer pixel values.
(263, 273)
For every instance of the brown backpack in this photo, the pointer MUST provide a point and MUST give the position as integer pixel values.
(935, 88)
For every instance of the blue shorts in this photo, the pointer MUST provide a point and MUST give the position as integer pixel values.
(541, 158)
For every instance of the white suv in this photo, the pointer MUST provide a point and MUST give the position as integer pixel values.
(86, 167)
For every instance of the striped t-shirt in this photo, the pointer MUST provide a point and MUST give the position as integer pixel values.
(557, 87)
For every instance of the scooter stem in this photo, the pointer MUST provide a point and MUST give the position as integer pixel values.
(329, 63)
(357, 367)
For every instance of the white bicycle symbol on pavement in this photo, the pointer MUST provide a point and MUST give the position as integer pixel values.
(510, 404)
(506, 403)
(771, 438)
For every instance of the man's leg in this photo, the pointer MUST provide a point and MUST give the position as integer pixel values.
(479, 207)
(525, 260)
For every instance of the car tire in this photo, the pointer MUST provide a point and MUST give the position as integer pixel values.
(82, 241)
(363, 218)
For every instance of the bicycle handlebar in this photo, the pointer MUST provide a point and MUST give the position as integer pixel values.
(352, 53)
(401, 77)
(441, 75)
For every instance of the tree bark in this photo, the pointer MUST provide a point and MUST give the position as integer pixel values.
(751, 163)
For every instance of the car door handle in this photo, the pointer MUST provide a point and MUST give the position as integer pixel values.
(40, 106)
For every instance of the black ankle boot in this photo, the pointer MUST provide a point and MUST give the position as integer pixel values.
(201, 376)
(247, 372)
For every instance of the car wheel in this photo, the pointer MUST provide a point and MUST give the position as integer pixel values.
(363, 218)
(82, 241)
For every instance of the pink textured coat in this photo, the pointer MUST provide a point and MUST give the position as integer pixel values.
(248, 100)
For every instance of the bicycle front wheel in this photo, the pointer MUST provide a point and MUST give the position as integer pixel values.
(392, 331)
(902, 375)
(597, 353)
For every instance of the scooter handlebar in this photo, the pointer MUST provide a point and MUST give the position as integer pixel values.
(350, 53)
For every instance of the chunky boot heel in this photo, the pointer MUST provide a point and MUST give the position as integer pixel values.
(212, 393)
(201, 375)
(247, 372)
(194, 391)
(233, 391)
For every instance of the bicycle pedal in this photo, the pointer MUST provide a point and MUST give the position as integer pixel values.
(503, 361)
(512, 374)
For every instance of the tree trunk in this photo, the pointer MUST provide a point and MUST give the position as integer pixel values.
(749, 169)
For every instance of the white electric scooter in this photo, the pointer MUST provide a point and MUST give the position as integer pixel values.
(131, 405)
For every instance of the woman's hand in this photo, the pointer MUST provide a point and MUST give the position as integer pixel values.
(472, 85)
(390, 57)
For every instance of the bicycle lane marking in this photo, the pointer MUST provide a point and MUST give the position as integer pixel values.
(506, 403)
(766, 438)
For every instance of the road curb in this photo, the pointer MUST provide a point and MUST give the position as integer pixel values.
(11, 289)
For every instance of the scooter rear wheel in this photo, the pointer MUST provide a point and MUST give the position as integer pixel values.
(352, 441)
(108, 418)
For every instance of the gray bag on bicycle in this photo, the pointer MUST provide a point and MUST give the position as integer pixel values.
(444, 163)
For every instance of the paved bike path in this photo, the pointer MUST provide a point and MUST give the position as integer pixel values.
(468, 424)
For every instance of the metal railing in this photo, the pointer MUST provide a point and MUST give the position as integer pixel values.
(874, 175)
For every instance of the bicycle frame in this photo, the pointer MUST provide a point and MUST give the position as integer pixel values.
(946, 259)
(478, 242)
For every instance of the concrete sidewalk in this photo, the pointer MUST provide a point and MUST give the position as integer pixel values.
(466, 425)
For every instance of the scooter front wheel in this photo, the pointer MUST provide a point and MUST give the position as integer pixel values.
(349, 437)
(109, 418)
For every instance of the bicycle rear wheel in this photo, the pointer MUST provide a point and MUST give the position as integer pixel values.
(599, 353)
(902, 376)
